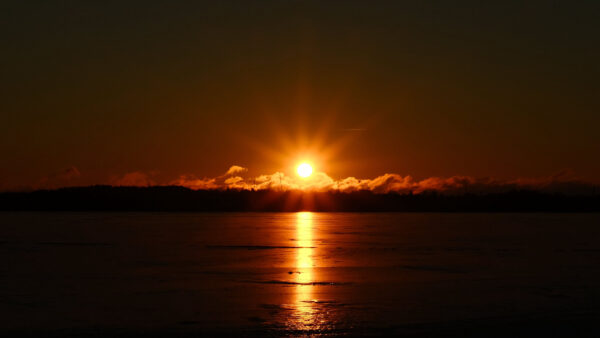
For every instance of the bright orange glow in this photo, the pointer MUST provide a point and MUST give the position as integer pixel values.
(304, 170)
(304, 266)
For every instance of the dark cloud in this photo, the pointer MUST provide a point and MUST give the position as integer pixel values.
(62, 178)
(136, 178)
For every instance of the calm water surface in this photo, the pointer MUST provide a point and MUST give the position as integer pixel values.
(294, 273)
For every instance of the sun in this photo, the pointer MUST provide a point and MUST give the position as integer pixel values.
(304, 169)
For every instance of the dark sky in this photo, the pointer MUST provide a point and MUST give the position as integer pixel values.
(439, 88)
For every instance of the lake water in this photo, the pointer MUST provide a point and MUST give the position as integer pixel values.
(271, 274)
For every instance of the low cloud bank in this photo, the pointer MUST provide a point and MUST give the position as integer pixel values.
(233, 179)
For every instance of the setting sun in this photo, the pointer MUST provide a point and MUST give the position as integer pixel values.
(304, 170)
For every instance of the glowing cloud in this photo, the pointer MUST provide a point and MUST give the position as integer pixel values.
(386, 183)
(233, 178)
(235, 169)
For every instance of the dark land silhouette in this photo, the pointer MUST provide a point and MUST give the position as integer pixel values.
(176, 198)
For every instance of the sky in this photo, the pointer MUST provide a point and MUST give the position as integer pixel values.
(155, 92)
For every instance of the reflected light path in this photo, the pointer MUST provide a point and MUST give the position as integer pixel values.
(304, 276)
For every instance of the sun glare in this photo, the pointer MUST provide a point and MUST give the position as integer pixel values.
(304, 170)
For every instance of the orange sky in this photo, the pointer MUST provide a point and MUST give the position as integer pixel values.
(95, 92)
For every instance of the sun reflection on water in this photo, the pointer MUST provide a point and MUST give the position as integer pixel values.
(304, 275)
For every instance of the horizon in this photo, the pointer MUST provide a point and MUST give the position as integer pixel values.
(235, 179)
(293, 168)
(105, 198)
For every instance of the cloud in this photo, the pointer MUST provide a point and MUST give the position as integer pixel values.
(193, 182)
(235, 169)
(62, 178)
(389, 182)
(233, 178)
(136, 179)
(225, 181)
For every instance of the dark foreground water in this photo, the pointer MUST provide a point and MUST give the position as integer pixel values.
(271, 274)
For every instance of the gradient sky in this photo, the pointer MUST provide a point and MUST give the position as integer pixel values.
(441, 88)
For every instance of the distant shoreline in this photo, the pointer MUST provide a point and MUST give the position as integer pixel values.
(180, 199)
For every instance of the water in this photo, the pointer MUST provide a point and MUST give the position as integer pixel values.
(297, 273)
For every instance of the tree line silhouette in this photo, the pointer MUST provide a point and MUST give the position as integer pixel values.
(177, 198)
